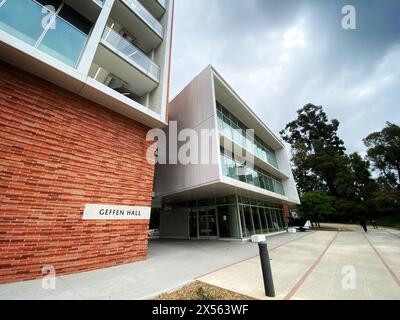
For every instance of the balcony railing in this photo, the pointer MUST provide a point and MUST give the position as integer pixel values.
(146, 16)
(130, 53)
(99, 2)
(254, 176)
(231, 127)
(23, 19)
(163, 3)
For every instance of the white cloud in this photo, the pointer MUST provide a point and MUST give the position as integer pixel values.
(280, 56)
(294, 38)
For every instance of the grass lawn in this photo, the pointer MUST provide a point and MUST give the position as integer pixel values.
(202, 291)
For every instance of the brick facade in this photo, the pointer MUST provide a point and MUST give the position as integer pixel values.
(58, 152)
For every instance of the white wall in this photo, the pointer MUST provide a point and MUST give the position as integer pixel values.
(193, 108)
(158, 97)
(289, 185)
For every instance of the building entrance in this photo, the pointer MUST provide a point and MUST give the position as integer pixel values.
(203, 223)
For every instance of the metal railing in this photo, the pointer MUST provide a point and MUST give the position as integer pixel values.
(146, 16)
(128, 51)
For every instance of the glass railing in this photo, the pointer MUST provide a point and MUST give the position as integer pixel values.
(132, 54)
(24, 20)
(163, 3)
(99, 2)
(64, 42)
(146, 16)
(231, 127)
(253, 176)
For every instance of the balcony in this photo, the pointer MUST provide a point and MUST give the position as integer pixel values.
(90, 9)
(235, 130)
(156, 7)
(23, 20)
(133, 73)
(140, 23)
(256, 176)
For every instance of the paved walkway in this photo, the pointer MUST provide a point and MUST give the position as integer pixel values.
(323, 265)
(170, 264)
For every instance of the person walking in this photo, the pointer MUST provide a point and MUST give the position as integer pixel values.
(374, 224)
(363, 224)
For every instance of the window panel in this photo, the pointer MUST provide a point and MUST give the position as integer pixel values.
(256, 221)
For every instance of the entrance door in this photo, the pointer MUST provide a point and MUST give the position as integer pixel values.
(208, 228)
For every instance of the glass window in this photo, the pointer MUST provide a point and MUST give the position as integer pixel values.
(256, 180)
(261, 180)
(232, 169)
(256, 221)
(237, 169)
(228, 222)
(253, 144)
(241, 172)
(264, 221)
(249, 176)
(248, 221)
(75, 19)
(227, 128)
(264, 155)
(206, 202)
(281, 218)
(271, 224)
(225, 166)
(237, 135)
(243, 222)
(275, 221)
(193, 224)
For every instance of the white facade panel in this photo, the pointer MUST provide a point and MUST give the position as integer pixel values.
(195, 107)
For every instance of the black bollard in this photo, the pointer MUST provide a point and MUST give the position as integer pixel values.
(266, 270)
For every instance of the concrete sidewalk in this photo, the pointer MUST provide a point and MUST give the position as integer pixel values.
(323, 265)
(170, 264)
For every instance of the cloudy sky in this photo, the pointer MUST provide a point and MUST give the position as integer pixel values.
(279, 55)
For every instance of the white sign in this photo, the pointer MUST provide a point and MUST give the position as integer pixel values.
(109, 212)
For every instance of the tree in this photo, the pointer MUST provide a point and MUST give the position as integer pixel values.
(337, 186)
(316, 205)
(384, 203)
(384, 153)
(317, 151)
(354, 180)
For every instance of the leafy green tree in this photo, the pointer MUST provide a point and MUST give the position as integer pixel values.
(317, 151)
(316, 205)
(384, 203)
(384, 153)
(320, 164)
(354, 179)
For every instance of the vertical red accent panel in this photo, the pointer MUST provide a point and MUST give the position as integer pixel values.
(170, 61)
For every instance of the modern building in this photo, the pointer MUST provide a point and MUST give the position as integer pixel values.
(245, 188)
(82, 82)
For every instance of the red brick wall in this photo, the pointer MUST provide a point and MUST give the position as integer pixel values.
(58, 152)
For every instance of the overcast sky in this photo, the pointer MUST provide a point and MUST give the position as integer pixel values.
(279, 55)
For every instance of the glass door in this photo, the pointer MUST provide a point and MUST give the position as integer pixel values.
(194, 232)
(208, 228)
